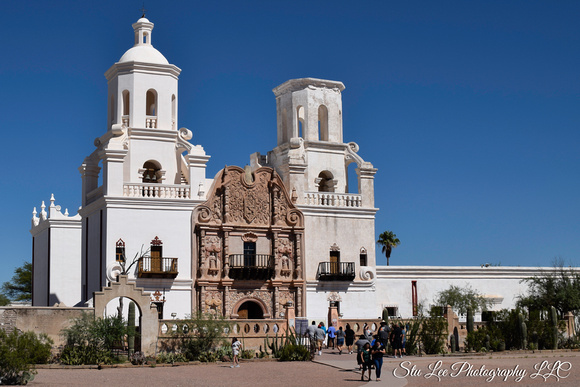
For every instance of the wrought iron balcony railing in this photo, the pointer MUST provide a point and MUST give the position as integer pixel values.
(335, 271)
(251, 266)
(156, 267)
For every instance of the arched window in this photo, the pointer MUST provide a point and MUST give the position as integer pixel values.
(352, 180)
(151, 172)
(126, 107)
(300, 121)
(325, 182)
(151, 107)
(125, 102)
(323, 123)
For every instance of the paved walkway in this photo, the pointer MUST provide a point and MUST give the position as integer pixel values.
(558, 368)
(555, 368)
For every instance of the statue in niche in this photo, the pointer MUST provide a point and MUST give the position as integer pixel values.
(210, 251)
(285, 266)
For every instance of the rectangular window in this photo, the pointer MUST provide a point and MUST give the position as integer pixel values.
(334, 262)
(249, 253)
(120, 251)
(363, 259)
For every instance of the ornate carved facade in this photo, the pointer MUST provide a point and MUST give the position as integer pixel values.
(248, 258)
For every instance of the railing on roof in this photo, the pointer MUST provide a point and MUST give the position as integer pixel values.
(332, 199)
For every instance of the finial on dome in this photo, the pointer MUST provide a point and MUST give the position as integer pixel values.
(51, 200)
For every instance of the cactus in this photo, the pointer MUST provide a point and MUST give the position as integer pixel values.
(554, 323)
(274, 347)
(385, 315)
(469, 320)
(487, 343)
(535, 337)
(452, 343)
(521, 324)
(131, 328)
(524, 333)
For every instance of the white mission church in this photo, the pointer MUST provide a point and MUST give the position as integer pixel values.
(246, 242)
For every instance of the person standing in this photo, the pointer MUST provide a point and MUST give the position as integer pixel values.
(349, 338)
(339, 340)
(311, 332)
(384, 332)
(397, 340)
(319, 336)
(331, 335)
(366, 360)
(360, 344)
(321, 325)
(236, 348)
(377, 353)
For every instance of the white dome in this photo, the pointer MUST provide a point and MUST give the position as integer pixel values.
(143, 53)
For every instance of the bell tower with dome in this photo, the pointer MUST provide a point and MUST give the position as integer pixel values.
(143, 180)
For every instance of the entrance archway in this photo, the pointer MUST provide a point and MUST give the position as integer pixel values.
(149, 321)
(250, 310)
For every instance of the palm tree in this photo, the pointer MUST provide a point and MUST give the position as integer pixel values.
(388, 240)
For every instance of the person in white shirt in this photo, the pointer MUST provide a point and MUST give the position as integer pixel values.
(236, 349)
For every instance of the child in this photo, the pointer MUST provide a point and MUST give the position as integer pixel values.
(236, 348)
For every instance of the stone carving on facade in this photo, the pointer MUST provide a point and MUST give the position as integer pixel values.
(249, 237)
(333, 296)
(213, 302)
(237, 201)
(210, 262)
(233, 297)
(285, 297)
(366, 273)
(284, 257)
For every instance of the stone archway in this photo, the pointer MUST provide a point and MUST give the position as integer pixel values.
(255, 302)
(149, 319)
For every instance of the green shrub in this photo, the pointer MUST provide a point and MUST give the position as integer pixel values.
(170, 358)
(91, 340)
(205, 335)
(18, 351)
(294, 352)
(433, 333)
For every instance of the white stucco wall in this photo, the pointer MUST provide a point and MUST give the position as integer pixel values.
(501, 283)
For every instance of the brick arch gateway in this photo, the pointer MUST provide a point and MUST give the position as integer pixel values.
(149, 318)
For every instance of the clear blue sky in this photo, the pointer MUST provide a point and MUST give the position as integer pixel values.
(469, 109)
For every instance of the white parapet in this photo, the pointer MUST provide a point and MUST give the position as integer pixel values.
(167, 191)
(332, 199)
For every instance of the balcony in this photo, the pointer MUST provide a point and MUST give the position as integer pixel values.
(332, 199)
(154, 190)
(335, 271)
(251, 266)
(155, 267)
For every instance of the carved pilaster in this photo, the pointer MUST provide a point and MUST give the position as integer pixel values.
(225, 303)
(275, 302)
(226, 255)
(298, 263)
(299, 302)
(201, 298)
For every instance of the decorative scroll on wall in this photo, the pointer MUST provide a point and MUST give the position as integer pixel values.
(242, 197)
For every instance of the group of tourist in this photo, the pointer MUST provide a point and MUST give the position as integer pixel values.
(370, 347)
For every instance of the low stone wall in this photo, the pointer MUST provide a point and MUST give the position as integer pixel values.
(49, 320)
(251, 333)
